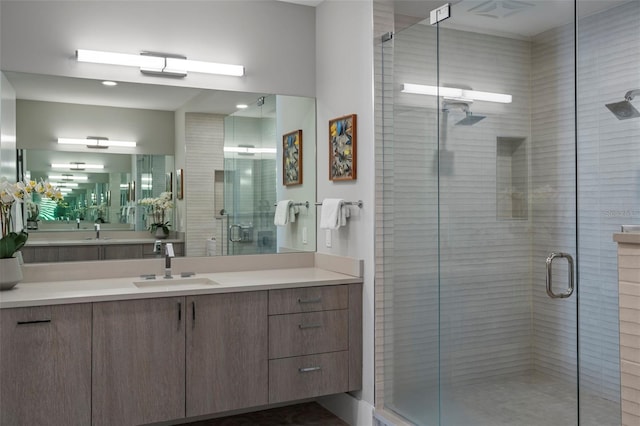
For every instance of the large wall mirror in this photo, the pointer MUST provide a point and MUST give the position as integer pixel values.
(219, 153)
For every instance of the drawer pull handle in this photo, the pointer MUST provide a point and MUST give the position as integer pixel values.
(34, 322)
(309, 369)
(316, 300)
(303, 326)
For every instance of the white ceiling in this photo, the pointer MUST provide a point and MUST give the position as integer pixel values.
(514, 18)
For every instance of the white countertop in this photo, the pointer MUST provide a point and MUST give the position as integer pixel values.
(106, 289)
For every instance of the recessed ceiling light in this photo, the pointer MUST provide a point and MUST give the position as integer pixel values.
(242, 106)
(109, 83)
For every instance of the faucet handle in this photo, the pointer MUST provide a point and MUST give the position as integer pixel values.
(169, 249)
(157, 246)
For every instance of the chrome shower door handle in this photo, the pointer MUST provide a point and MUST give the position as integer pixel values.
(235, 237)
(569, 291)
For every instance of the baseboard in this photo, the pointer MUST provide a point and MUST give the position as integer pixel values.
(354, 411)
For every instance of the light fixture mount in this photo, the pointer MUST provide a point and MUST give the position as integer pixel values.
(97, 142)
(165, 71)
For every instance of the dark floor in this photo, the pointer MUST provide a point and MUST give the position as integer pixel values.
(307, 414)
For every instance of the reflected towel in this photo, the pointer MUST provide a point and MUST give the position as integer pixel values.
(293, 211)
(331, 213)
(281, 217)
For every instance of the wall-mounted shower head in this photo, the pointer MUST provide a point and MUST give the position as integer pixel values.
(470, 119)
(624, 110)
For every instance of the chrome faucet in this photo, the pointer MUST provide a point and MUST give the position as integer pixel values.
(157, 247)
(97, 228)
(168, 254)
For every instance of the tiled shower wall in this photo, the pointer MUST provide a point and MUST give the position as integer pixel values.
(495, 315)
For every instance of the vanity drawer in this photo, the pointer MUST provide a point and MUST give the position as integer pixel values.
(308, 376)
(308, 299)
(308, 333)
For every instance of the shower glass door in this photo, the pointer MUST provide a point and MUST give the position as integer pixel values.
(507, 201)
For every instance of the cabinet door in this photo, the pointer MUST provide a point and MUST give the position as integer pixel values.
(138, 361)
(122, 251)
(227, 366)
(45, 365)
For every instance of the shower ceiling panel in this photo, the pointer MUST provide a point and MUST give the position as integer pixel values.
(504, 17)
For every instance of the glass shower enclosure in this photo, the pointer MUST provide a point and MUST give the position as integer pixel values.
(505, 176)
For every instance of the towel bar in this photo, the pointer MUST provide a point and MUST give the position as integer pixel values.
(306, 204)
(348, 203)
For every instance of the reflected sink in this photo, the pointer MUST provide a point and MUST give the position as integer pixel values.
(178, 283)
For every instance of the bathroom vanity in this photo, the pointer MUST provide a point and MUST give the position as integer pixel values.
(123, 350)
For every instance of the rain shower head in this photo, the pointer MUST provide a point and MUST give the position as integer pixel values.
(470, 119)
(624, 110)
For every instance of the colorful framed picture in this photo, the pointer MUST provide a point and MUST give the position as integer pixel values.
(342, 148)
(292, 158)
(179, 184)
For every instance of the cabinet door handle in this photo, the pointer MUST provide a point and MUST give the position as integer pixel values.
(303, 326)
(316, 300)
(179, 311)
(47, 321)
(309, 369)
(193, 311)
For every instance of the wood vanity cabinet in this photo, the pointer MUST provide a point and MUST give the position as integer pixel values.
(315, 341)
(45, 365)
(227, 366)
(138, 361)
(73, 253)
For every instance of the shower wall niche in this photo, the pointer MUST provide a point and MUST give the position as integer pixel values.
(512, 178)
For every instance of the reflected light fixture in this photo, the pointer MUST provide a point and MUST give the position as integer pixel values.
(77, 165)
(69, 177)
(249, 150)
(109, 83)
(456, 93)
(96, 142)
(157, 63)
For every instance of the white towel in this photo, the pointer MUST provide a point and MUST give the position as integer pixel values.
(293, 211)
(331, 213)
(281, 218)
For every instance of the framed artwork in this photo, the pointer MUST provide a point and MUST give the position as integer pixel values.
(342, 148)
(179, 184)
(292, 158)
(168, 183)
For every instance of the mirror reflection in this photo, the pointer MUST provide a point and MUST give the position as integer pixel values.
(221, 161)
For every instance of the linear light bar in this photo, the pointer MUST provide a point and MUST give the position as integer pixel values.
(454, 92)
(96, 142)
(77, 166)
(160, 63)
(65, 184)
(248, 150)
(66, 177)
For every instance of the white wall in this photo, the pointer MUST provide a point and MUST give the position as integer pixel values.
(273, 40)
(39, 124)
(344, 85)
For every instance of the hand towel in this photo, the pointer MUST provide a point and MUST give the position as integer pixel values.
(330, 214)
(281, 218)
(293, 212)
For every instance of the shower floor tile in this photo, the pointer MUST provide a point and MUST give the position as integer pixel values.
(522, 400)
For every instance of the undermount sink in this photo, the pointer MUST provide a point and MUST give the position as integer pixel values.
(190, 282)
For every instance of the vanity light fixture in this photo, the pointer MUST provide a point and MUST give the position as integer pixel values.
(64, 184)
(77, 165)
(157, 63)
(69, 177)
(456, 93)
(109, 83)
(249, 150)
(96, 142)
(242, 106)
